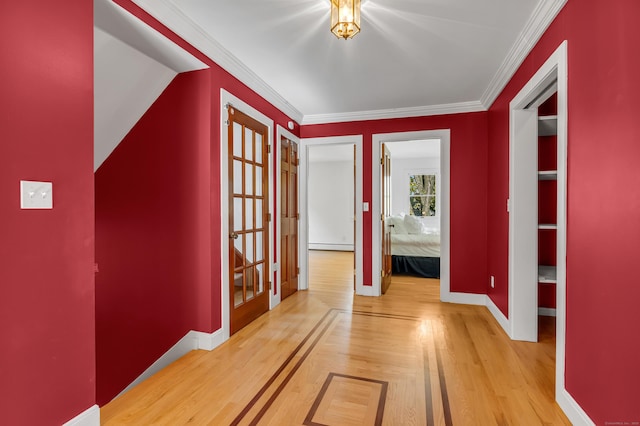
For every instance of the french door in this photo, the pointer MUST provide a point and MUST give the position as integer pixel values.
(289, 217)
(248, 219)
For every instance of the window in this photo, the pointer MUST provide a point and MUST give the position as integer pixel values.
(422, 195)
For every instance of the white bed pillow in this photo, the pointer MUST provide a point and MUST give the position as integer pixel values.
(413, 225)
(397, 225)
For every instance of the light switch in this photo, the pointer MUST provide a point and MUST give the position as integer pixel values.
(36, 195)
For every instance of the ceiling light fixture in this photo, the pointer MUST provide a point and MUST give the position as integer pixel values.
(345, 18)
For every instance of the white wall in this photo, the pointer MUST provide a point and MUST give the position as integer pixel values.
(331, 205)
(400, 170)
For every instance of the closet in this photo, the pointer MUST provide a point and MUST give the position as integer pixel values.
(547, 205)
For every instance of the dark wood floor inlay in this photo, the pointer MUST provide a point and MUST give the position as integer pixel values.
(312, 339)
(443, 390)
(325, 387)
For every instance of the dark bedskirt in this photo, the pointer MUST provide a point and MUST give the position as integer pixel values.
(425, 267)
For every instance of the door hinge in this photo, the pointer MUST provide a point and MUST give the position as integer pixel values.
(268, 217)
(382, 273)
(297, 271)
(382, 161)
(297, 216)
(268, 149)
(226, 123)
(382, 216)
(270, 288)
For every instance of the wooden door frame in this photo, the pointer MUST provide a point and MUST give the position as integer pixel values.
(227, 98)
(303, 235)
(516, 326)
(280, 133)
(444, 135)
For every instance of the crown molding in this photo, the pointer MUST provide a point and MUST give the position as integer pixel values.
(461, 107)
(542, 16)
(173, 18)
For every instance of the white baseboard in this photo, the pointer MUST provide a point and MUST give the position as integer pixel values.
(89, 417)
(209, 341)
(499, 316)
(333, 247)
(465, 298)
(572, 409)
(365, 290)
(191, 341)
(547, 312)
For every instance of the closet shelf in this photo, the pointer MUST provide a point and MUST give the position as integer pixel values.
(548, 125)
(548, 175)
(547, 274)
(547, 226)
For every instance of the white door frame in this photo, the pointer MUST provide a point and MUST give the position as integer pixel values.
(280, 132)
(227, 98)
(303, 235)
(444, 135)
(523, 310)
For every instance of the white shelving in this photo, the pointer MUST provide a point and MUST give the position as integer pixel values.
(548, 175)
(548, 125)
(547, 226)
(547, 274)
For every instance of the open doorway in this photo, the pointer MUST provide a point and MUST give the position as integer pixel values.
(414, 208)
(431, 208)
(331, 203)
(331, 213)
(528, 220)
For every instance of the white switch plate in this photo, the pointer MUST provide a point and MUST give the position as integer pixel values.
(365, 206)
(36, 195)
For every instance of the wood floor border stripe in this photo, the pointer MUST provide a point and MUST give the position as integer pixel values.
(279, 371)
(286, 380)
(428, 397)
(384, 386)
(283, 366)
(443, 389)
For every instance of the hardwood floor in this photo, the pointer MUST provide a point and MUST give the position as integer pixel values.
(327, 357)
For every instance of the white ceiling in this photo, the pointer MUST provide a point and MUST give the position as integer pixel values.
(412, 57)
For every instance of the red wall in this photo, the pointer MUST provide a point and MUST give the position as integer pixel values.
(220, 79)
(153, 245)
(603, 229)
(468, 188)
(157, 215)
(47, 361)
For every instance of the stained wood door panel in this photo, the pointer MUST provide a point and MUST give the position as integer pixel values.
(248, 219)
(289, 217)
(385, 280)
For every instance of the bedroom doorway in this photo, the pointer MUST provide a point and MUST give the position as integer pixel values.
(419, 199)
(330, 211)
(411, 209)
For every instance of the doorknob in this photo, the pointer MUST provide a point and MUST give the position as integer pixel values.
(233, 235)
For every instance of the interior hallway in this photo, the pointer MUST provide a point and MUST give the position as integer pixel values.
(326, 357)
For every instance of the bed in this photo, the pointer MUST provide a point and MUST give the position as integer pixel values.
(415, 250)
